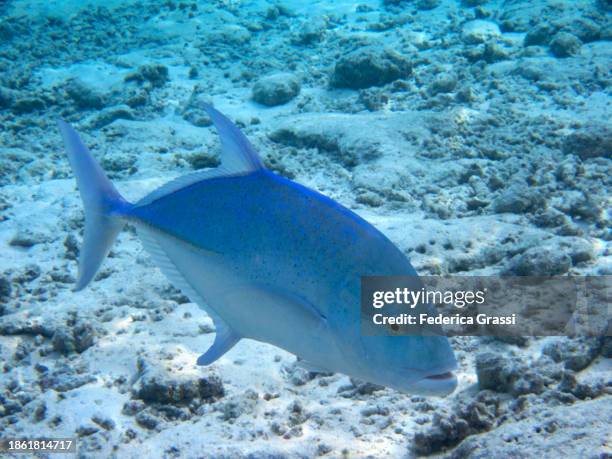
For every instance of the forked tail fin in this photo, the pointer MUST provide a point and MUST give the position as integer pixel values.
(102, 202)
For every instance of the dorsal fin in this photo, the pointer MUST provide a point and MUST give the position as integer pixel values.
(237, 155)
(182, 182)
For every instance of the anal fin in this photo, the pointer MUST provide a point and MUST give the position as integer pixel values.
(225, 339)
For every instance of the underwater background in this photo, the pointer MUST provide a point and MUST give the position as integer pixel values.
(476, 134)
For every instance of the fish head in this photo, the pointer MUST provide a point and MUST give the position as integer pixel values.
(422, 365)
(414, 360)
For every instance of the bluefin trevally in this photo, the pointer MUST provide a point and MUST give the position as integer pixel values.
(268, 259)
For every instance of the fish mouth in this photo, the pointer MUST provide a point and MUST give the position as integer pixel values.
(436, 384)
(447, 375)
(440, 381)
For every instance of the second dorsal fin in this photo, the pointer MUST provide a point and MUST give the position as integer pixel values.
(237, 154)
(238, 157)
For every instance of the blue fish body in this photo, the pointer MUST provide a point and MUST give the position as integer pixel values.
(274, 261)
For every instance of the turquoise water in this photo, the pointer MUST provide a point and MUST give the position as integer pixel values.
(474, 134)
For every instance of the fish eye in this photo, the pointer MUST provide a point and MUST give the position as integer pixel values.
(395, 327)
